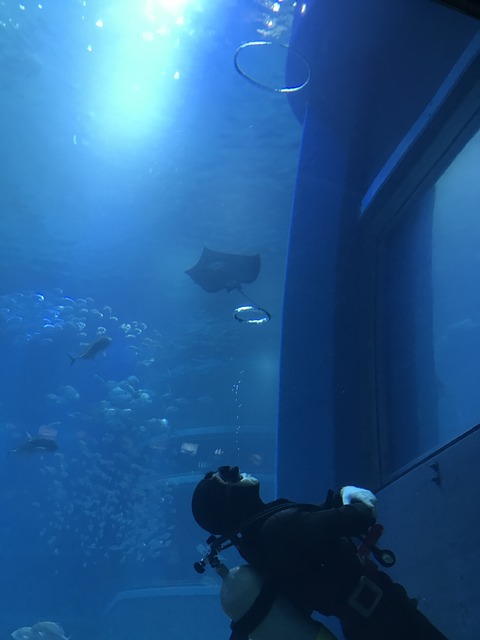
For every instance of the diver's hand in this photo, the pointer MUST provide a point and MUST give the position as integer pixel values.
(356, 494)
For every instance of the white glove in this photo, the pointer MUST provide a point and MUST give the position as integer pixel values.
(355, 494)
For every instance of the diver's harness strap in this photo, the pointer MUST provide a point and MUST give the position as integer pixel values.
(253, 617)
(365, 597)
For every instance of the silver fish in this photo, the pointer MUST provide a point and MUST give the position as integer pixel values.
(48, 631)
(24, 633)
(36, 445)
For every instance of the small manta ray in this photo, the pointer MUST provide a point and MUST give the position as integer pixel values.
(216, 270)
(91, 351)
(36, 445)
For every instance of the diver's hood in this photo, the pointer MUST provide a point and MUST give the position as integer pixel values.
(220, 505)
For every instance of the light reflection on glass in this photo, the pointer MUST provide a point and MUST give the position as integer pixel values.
(142, 51)
(139, 56)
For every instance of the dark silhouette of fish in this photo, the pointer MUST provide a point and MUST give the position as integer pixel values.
(36, 445)
(91, 351)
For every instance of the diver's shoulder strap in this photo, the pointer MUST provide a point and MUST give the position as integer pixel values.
(283, 506)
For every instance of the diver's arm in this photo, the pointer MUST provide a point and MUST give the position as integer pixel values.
(318, 527)
(348, 520)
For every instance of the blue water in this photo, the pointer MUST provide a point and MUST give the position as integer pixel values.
(129, 143)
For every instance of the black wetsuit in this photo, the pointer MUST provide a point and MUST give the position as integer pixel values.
(308, 555)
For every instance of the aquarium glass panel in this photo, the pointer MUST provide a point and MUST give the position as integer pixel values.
(146, 190)
(429, 317)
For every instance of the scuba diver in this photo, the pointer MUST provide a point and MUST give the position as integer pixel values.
(305, 554)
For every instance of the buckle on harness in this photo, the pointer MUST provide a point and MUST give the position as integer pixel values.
(365, 597)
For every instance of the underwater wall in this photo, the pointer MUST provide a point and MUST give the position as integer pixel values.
(374, 70)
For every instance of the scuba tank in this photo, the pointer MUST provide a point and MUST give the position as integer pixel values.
(253, 606)
(241, 589)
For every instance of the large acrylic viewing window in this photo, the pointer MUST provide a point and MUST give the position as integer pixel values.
(429, 316)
